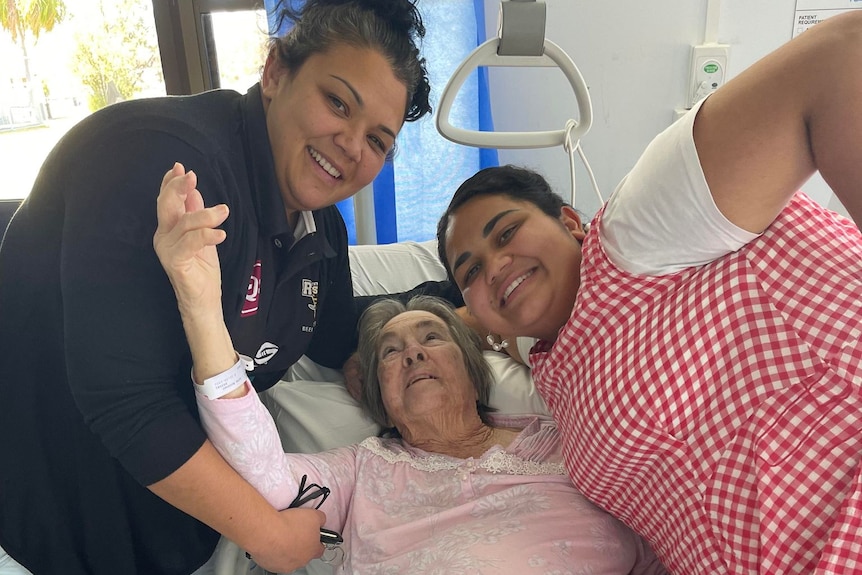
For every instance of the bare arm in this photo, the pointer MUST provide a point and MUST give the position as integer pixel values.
(209, 489)
(798, 110)
(205, 486)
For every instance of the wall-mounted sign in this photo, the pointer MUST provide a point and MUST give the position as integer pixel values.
(811, 12)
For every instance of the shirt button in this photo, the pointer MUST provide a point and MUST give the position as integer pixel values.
(277, 242)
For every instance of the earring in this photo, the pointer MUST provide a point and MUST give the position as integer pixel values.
(496, 346)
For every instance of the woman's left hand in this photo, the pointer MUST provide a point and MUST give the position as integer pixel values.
(186, 239)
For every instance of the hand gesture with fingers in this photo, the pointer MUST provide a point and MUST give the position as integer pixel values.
(186, 239)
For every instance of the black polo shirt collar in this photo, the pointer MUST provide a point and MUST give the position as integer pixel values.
(268, 205)
(277, 327)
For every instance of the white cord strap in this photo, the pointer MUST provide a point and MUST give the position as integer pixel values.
(572, 145)
(223, 383)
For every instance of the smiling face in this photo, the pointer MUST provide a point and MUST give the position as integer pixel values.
(331, 123)
(518, 268)
(422, 374)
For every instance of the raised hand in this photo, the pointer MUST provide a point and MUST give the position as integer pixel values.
(186, 239)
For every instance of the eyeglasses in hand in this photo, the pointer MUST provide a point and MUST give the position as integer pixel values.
(333, 553)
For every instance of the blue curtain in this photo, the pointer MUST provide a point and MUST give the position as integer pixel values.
(413, 190)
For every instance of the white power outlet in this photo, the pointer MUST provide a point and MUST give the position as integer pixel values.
(708, 71)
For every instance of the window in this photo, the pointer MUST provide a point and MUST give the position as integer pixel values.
(208, 44)
(102, 51)
(96, 52)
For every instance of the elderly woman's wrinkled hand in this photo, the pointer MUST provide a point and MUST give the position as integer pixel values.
(186, 239)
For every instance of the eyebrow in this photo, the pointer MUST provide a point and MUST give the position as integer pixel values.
(486, 231)
(361, 103)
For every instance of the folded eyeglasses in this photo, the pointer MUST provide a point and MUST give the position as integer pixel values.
(333, 553)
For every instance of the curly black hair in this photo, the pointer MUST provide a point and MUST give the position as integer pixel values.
(392, 27)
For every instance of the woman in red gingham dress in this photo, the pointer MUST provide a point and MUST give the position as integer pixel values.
(701, 345)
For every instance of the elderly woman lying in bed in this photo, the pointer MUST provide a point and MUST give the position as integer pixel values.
(454, 490)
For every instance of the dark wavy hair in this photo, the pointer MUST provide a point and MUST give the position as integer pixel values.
(371, 324)
(392, 27)
(519, 184)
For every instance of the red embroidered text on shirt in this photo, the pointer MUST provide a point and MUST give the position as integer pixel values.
(252, 296)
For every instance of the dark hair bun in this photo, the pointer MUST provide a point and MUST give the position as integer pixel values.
(402, 15)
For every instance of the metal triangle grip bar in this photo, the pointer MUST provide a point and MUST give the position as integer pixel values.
(486, 55)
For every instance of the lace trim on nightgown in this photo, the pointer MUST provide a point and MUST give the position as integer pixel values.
(496, 462)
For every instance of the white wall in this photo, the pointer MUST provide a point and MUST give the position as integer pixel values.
(634, 56)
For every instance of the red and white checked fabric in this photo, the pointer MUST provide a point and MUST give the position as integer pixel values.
(718, 410)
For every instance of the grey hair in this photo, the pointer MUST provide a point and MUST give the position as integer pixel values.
(371, 324)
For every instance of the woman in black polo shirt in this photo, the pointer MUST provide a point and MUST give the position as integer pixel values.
(103, 465)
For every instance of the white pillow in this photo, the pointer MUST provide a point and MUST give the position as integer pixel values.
(513, 391)
(394, 268)
(314, 412)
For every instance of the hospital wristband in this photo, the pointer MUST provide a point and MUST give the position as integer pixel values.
(225, 382)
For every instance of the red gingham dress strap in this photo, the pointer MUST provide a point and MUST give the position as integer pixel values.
(718, 410)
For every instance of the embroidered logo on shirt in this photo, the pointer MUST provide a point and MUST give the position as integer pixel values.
(309, 290)
(252, 296)
(266, 352)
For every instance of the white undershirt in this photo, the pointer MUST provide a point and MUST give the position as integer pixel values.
(662, 218)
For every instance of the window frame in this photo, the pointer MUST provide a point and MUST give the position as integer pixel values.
(186, 47)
